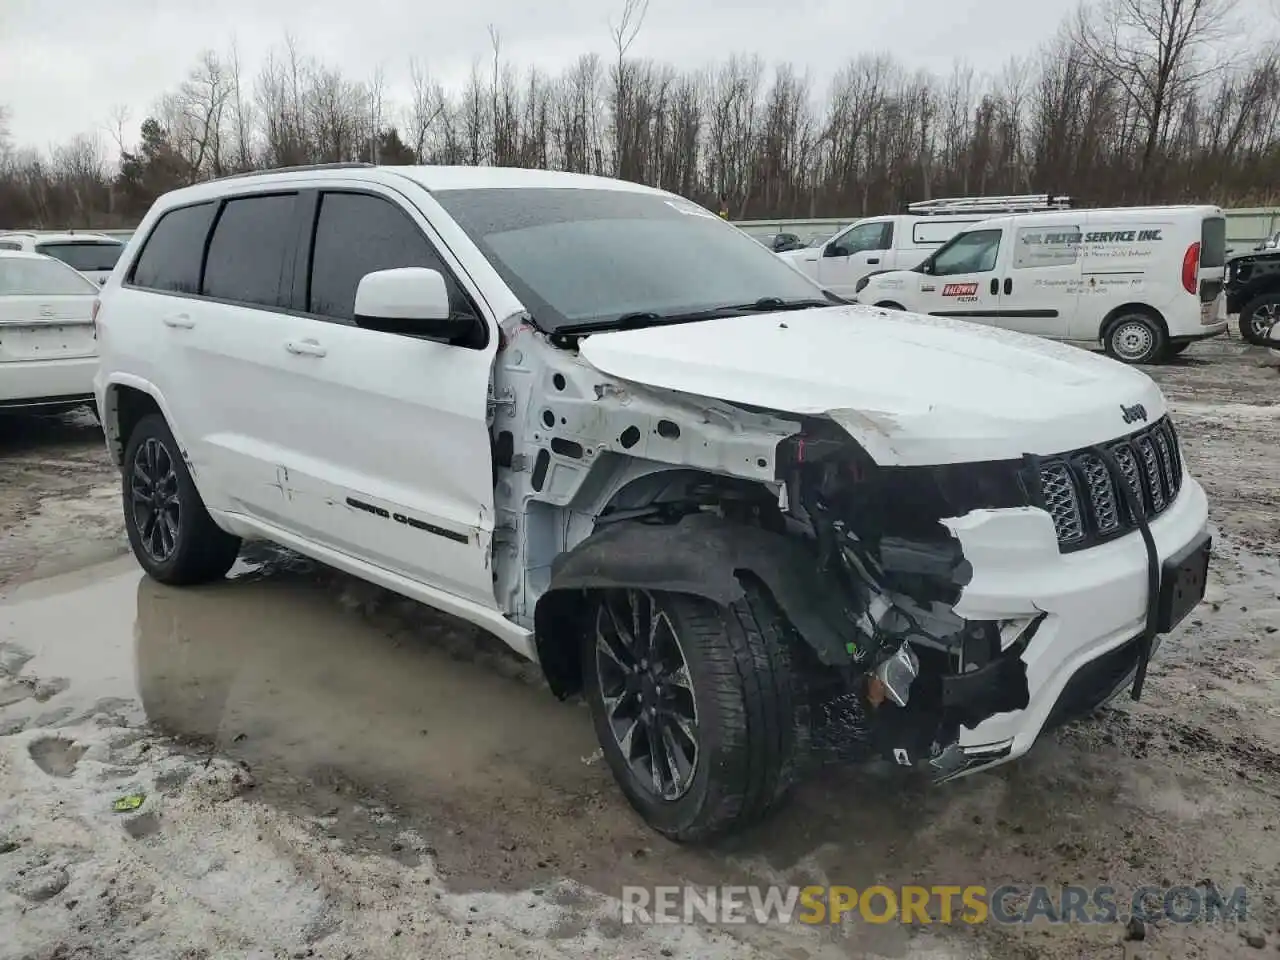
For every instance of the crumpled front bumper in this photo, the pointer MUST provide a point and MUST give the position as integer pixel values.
(1095, 603)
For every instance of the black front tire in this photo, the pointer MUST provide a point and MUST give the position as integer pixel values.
(171, 533)
(749, 744)
(1259, 317)
(1136, 338)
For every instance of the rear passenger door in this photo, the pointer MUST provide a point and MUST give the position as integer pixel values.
(233, 363)
(389, 446)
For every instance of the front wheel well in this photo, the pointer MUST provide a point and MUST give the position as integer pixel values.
(125, 406)
(890, 305)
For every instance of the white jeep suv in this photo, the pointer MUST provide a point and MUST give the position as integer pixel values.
(759, 530)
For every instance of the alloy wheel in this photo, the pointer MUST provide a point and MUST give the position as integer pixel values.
(1264, 319)
(153, 492)
(647, 691)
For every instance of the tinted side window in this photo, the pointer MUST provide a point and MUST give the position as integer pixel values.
(358, 234)
(247, 253)
(171, 258)
(9, 245)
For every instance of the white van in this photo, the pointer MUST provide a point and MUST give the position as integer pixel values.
(1143, 282)
(900, 242)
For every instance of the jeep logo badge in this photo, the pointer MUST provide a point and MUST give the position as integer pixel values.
(1136, 412)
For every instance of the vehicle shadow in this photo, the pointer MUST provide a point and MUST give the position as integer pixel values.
(22, 431)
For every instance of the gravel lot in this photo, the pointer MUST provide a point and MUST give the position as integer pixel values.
(331, 771)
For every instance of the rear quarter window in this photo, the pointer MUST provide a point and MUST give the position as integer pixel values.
(171, 257)
(932, 233)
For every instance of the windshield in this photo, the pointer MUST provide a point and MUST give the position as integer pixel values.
(32, 277)
(579, 257)
(84, 254)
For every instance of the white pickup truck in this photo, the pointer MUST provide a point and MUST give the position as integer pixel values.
(901, 241)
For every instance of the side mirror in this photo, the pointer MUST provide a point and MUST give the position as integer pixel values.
(835, 250)
(413, 301)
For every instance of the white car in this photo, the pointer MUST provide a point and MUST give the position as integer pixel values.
(93, 254)
(755, 529)
(48, 354)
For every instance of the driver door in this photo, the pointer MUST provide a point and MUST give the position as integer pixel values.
(390, 454)
(852, 255)
(960, 280)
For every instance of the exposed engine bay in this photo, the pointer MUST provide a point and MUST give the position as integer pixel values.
(708, 496)
(859, 564)
(918, 671)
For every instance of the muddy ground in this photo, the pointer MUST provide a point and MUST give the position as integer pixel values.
(330, 771)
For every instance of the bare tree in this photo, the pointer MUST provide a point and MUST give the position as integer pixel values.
(1156, 51)
(624, 34)
(426, 107)
(1088, 114)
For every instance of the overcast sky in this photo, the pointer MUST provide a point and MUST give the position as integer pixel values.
(63, 65)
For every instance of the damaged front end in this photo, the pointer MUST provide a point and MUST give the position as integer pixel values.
(916, 672)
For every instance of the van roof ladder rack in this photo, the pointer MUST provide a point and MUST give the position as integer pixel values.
(1024, 203)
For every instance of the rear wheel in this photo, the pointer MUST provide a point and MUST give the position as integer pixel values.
(171, 532)
(1259, 317)
(1136, 338)
(694, 706)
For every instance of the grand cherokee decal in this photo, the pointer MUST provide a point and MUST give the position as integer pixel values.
(408, 521)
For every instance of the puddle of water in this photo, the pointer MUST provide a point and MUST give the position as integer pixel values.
(336, 698)
(272, 665)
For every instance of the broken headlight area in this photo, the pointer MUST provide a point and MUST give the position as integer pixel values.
(918, 671)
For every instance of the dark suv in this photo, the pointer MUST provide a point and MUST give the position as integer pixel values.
(1253, 291)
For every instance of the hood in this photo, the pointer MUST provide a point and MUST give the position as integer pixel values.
(1252, 256)
(911, 389)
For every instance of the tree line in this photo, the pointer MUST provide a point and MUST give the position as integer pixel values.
(1130, 101)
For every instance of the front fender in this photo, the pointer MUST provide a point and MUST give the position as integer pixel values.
(702, 555)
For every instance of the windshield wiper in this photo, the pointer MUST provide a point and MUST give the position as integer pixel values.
(647, 318)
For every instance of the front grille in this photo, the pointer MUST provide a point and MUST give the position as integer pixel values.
(1077, 490)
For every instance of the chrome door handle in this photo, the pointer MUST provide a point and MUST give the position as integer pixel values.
(305, 348)
(180, 321)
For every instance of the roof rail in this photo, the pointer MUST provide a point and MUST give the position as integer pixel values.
(1023, 203)
(300, 168)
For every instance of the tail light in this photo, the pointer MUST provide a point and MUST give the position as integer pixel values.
(93, 315)
(1191, 269)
